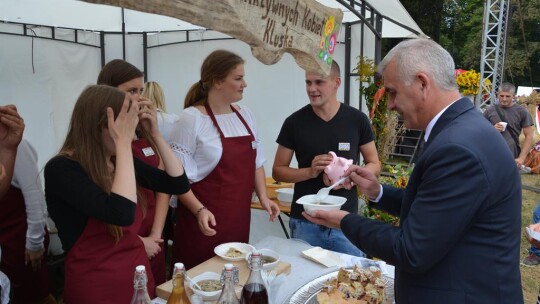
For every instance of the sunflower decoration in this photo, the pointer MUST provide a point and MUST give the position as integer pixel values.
(468, 82)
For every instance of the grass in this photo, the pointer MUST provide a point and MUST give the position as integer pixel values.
(529, 275)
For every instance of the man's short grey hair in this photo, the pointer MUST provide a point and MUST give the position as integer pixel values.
(507, 87)
(422, 55)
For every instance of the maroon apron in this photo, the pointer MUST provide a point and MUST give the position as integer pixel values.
(143, 151)
(100, 270)
(226, 192)
(28, 286)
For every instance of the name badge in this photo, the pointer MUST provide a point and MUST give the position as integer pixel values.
(148, 151)
(254, 145)
(344, 147)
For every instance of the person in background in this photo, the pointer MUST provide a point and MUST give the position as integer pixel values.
(324, 125)
(218, 144)
(91, 194)
(533, 258)
(518, 119)
(23, 234)
(154, 92)
(458, 238)
(11, 132)
(153, 205)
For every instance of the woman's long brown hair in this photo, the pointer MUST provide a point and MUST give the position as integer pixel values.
(84, 142)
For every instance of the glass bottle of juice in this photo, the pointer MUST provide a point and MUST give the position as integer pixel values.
(254, 291)
(178, 294)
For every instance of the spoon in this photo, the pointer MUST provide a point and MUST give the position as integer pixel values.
(193, 282)
(323, 193)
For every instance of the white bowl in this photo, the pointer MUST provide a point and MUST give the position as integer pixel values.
(285, 196)
(221, 250)
(331, 202)
(207, 295)
(266, 252)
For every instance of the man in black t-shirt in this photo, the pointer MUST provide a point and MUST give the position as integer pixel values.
(311, 133)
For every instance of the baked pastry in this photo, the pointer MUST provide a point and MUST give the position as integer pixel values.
(359, 286)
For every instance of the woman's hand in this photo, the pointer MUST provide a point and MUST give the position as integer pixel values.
(34, 257)
(271, 207)
(205, 219)
(151, 245)
(122, 129)
(148, 117)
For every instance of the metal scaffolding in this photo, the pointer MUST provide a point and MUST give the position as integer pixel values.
(496, 19)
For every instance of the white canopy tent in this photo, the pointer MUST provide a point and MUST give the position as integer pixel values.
(51, 49)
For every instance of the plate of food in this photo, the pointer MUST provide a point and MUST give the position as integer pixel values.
(233, 251)
(347, 285)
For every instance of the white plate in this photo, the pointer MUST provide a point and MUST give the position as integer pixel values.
(221, 250)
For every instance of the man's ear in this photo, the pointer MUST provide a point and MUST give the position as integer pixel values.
(425, 81)
(338, 81)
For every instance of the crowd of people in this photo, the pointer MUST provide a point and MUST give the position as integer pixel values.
(125, 162)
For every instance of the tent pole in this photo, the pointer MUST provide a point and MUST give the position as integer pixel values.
(102, 47)
(145, 56)
(347, 67)
(123, 36)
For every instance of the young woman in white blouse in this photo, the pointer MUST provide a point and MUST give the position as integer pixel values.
(218, 145)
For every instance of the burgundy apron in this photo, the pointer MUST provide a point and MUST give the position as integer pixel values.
(28, 286)
(99, 270)
(143, 151)
(226, 192)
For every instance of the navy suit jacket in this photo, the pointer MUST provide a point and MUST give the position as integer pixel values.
(460, 218)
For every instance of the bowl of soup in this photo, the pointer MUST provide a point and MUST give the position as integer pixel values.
(270, 258)
(210, 285)
(330, 202)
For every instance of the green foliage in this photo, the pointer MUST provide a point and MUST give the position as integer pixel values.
(461, 34)
(401, 177)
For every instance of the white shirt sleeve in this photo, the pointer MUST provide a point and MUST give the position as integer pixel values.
(183, 141)
(26, 177)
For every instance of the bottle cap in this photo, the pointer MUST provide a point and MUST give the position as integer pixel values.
(228, 266)
(140, 269)
(178, 265)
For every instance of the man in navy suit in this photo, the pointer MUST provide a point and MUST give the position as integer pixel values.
(460, 214)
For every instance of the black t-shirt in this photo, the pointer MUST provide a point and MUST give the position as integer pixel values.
(308, 135)
(72, 196)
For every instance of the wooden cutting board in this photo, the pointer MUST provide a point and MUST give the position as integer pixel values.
(215, 264)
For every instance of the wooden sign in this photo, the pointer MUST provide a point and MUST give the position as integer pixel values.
(306, 29)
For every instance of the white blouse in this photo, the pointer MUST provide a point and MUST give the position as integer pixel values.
(26, 177)
(196, 141)
(166, 123)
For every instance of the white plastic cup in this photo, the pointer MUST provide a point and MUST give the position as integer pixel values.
(503, 124)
